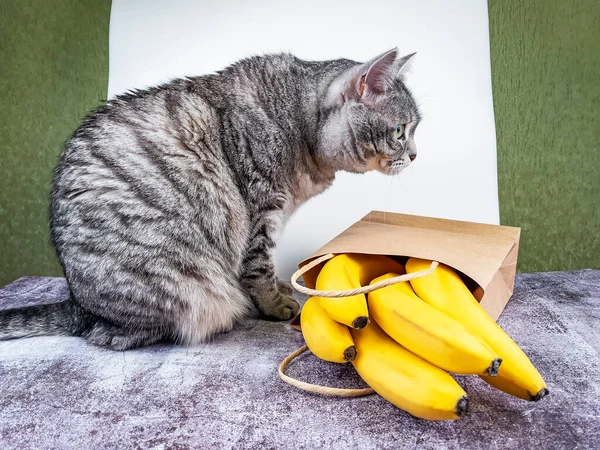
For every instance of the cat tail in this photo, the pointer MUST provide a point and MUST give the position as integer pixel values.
(40, 320)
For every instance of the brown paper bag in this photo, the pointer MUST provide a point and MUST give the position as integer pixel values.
(485, 255)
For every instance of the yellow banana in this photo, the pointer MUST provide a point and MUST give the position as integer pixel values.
(350, 271)
(326, 338)
(404, 379)
(428, 332)
(510, 387)
(444, 290)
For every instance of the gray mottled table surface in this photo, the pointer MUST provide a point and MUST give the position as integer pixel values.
(58, 392)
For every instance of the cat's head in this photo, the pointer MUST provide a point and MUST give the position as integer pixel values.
(369, 118)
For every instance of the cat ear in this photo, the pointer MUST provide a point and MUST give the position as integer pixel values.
(401, 65)
(363, 81)
(376, 74)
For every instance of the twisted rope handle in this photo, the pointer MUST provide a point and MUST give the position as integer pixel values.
(315, 388)
(357, 291)
(326, 390)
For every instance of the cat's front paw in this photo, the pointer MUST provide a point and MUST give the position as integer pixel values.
(282, 307)
(284, 287)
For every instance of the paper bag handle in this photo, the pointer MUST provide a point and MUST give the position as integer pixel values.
(316, 388)
(326, 390)
(357, 291)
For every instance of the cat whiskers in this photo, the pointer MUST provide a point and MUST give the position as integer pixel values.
(394, 167)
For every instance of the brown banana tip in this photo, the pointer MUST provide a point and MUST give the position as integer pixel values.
(350, 353)
(492, 371)
(540, 395)
(360, 322)
(462, 406)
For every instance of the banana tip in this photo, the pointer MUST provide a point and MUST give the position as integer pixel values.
(350, 353)
(493, 369)
(360, 322)
(462, 406)
(540, 395)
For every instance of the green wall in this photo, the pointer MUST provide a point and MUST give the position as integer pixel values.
(546, 81)
(53, 70)
(546, 84)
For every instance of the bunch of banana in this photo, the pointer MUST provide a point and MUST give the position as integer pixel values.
(420, 330)
(324, 321)
(326, 338)
(350, 271)
(404, 379)
(428, 332)
(445, 291)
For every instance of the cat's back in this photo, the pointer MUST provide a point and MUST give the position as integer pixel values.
(139, 132)
(171, 111)
(275, 84)
(151, 154)
(162, 143)
(187, 110)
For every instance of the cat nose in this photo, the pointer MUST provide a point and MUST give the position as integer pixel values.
(412, 156)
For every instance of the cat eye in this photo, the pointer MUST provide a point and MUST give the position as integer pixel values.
(399, 132)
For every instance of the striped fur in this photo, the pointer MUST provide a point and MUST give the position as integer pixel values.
(167, 202)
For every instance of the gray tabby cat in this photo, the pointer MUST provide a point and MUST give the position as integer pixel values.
(167, 202)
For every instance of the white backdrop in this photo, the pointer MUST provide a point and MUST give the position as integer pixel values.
(454, 175)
